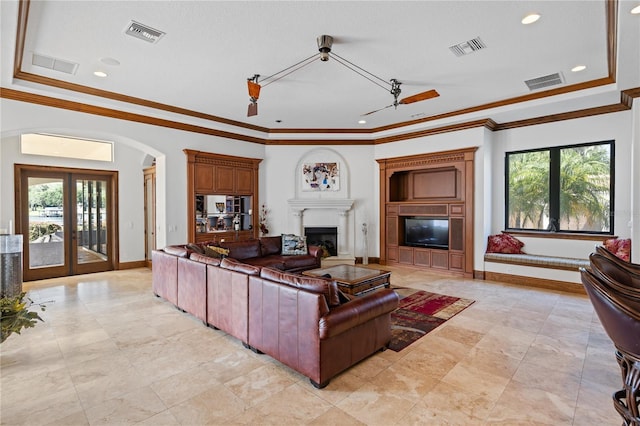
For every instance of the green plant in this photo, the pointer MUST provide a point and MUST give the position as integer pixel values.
(36, 230)
(15, 315)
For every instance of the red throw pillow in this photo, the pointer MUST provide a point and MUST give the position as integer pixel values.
(621, 247)
(504, 243)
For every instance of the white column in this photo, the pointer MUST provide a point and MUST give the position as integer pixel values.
(343, 244)
(297, 221)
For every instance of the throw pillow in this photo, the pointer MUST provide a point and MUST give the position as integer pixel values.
(293, 245)
(621, 247)
(215, 251)
(504, 243)
(195, 248)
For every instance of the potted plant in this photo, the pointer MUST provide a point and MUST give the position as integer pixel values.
(15, 315)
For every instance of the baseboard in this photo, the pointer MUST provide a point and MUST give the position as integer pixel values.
(132, 265)
(370, 260)
(478, 275)
(565, 286)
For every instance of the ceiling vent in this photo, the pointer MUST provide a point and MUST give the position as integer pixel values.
(54, 63)
(143, 32)
(544, 81)
(467, 47)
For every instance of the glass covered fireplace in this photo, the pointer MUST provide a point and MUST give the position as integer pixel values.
(323, 236)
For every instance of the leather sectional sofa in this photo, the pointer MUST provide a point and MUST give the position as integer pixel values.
(303, 322)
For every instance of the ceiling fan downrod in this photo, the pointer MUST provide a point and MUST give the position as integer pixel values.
(324, 46)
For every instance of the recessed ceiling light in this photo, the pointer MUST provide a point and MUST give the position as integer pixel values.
(110, 61)
(362, 122)
(530, 18)
(636, 10)
(100, 73)
(578, 68)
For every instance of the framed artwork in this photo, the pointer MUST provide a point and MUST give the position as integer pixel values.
(320, 177)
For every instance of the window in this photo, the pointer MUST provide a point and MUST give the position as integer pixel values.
(67, 147)
(567, 188)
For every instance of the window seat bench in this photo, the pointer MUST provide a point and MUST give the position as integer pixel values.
(551, 272)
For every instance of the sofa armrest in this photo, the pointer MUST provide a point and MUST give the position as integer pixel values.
(357, 311)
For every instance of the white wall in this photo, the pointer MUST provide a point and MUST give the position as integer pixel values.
(616, 126)
(134, 142)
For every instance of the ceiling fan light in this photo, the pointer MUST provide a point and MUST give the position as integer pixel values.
(254, 90)
(324, 46)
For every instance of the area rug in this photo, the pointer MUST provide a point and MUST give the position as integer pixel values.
(420, 312)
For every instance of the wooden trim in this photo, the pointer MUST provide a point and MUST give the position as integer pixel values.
(520, 280)
(560, 235)
(120, 115)
(478, 275)
(133, 265)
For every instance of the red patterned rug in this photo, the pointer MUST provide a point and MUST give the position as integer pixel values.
(418, 313)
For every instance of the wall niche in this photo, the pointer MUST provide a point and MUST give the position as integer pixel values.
(426, 211)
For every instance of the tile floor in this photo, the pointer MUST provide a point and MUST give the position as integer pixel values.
(109, 352)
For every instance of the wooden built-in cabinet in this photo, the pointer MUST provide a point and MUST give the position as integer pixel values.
(230, 185)
(436, 186)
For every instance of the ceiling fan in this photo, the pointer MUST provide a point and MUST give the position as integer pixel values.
(395, 91)
(325, 43)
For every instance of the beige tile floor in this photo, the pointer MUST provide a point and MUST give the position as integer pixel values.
(109, 352)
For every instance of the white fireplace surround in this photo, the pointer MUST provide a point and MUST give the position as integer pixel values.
(339, 207)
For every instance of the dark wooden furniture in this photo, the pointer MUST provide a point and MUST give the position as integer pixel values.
(235, 181)
(354, 280)
(438, 185)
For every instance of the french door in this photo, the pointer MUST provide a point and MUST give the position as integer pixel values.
(68, 220)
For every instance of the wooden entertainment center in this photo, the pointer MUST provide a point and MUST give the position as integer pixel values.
(425, 188)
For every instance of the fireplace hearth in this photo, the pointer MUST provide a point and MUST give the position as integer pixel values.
(323, 236)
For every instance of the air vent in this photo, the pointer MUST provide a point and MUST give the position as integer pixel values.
(467, 47)
(54, 63)
(544, 81)
(143, 32)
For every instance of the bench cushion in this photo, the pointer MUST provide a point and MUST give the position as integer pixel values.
(566, 263)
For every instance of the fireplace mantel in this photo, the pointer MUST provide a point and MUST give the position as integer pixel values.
(300, 204)
(340, 207)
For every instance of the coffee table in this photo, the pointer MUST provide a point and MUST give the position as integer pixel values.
(354, 280)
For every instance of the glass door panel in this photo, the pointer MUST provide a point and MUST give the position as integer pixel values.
(46, 222)
(91, 226)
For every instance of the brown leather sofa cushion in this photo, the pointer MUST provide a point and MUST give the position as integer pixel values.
(266, 262)
(270, 245)
(234, 265)
(243, 249)
(177, 250)
(205, 259)
(328, 288)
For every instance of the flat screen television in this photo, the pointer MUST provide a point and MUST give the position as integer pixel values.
(426, 232)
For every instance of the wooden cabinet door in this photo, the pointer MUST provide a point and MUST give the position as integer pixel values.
(422, 257)
(244, 181)
(392, 230)
(224, 179)
(440, 259)
(203, 178)
(405, 255)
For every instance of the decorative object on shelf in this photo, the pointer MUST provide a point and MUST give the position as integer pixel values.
(325, 43)
(320, 177)
(365, 254)
(15, 315)
(263, 220)
(236, 222)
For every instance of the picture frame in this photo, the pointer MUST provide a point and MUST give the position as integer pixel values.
(320, 177)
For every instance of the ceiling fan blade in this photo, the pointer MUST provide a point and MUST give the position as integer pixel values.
(252, 110)
(372, 112)
(420, 97)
